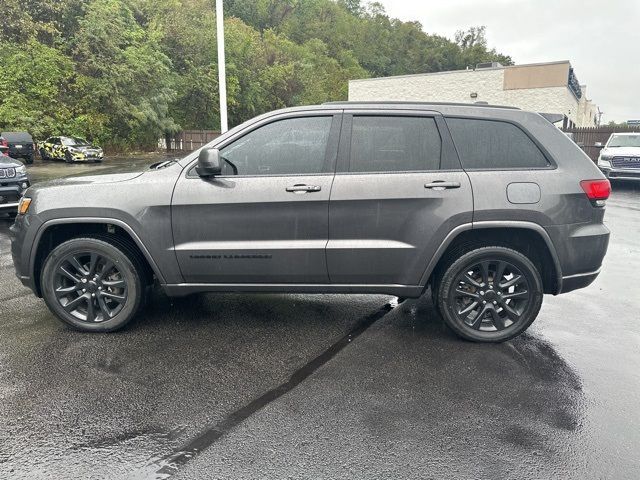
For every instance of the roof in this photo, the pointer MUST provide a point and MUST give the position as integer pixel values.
(17, 136)
(418, 104)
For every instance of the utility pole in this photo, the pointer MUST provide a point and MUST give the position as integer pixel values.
(222, 71)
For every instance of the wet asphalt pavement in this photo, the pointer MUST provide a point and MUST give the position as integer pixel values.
(297, 386)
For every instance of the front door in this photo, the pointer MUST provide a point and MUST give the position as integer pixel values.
(265, 219)
(399, 190)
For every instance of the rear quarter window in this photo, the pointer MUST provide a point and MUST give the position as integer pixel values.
(491, 144)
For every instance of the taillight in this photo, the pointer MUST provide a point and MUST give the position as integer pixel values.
(597, 191)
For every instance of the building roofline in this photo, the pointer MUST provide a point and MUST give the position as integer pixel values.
(471, 70)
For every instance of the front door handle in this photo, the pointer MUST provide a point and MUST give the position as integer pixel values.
(304, 188)
(441, 185)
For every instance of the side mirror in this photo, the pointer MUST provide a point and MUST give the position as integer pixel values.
(598, 145)
(209, 162)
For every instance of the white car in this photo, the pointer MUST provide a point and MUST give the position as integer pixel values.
(620, 156)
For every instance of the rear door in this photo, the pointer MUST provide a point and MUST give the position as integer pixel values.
(399, 190)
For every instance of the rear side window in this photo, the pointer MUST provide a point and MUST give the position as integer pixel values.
(394, 144)
(488, 144)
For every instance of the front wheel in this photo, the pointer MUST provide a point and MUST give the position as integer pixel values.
(93, 284)
(67, 157)
(490, 294)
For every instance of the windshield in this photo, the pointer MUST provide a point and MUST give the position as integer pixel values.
(70, 141)
(624, 141)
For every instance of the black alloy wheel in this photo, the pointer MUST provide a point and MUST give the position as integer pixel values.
(93, 284)
(67, 157)
(90, 286)
(491, 294)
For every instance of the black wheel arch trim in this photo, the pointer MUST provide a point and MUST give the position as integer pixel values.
(494, 224)
(100, 220)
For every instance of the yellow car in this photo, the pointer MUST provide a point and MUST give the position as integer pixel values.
(70, 149)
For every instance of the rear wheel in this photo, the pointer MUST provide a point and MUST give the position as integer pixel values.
(93, 284)
(29, 159)
(490, 294)
(43, 154)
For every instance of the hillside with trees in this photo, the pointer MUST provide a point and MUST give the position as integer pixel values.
(125, 72)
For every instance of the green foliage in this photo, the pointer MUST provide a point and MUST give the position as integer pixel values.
(124, 72)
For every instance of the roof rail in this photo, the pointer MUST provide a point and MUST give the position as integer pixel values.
(391, 102)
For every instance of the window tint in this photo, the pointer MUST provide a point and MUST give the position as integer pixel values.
(491, 144)
(394, 144)
(285, 147)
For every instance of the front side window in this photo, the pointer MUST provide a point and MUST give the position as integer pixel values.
(285, 147)
(489, 144)
(394, 144)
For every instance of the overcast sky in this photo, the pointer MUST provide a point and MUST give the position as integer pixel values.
(600, 38)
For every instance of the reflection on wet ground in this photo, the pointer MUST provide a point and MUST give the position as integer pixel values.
(273, 386)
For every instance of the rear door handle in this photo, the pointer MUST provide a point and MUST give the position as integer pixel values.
(304, 188)
(441, 185)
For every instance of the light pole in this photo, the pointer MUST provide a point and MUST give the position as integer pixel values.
(222, 73)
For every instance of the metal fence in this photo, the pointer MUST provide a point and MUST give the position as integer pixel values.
(587, 137)
(188, 140)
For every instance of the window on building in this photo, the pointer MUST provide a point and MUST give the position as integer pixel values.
(394, 144)
(487, 144)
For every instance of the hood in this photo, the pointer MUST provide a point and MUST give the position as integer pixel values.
(8, 162)
(89, 180)
(622, 151)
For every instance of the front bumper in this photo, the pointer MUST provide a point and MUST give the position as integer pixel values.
(85, 157)
(621, 173)
(11, 192)
(21, 236)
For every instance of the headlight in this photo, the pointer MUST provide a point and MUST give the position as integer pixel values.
(604, 160)
(21, 170)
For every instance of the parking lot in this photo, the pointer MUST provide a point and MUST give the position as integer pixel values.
(235, 386)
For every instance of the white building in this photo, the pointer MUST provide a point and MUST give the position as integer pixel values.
(539, 87)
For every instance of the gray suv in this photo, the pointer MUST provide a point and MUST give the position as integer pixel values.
(486, 207)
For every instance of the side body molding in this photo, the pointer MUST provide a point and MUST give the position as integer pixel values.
(100, 220)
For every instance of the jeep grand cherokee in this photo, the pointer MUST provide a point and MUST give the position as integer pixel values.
(486, 207)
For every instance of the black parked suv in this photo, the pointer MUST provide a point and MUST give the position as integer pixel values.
(486, 207)
(20, 145)
(13, 182)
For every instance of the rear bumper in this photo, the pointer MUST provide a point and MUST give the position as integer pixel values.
(581, 280)
(580, 250)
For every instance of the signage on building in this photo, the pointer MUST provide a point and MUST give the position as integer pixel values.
(633, 122)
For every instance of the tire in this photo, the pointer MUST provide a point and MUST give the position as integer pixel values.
(502, 310)
(110, 298)
(43, 155)
(67, 157)
(29, 159)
